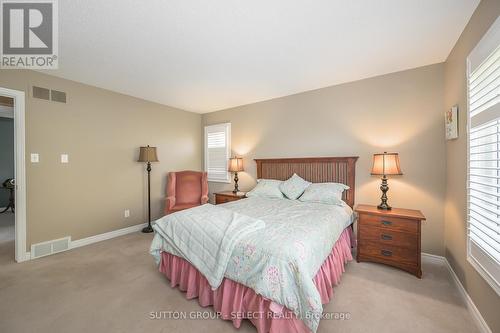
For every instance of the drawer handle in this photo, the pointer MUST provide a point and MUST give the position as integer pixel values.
(386, 237)
(386, 253)
(386, 222)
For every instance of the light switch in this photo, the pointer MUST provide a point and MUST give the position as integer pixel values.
(64, 158)
(35, 158)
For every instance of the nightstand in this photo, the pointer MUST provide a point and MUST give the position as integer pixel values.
(390, 237)
(223, 197)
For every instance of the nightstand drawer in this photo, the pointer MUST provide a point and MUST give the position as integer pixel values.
(387, 236)
(220, 199)
(390, 223)
(223, 197)
(387, 252)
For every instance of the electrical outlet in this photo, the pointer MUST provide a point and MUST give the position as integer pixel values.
(126, 213)
(64, 158)
(35, 158)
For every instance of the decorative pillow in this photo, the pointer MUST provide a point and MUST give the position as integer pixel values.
(269, 188)
(294, 187)
(327, 193)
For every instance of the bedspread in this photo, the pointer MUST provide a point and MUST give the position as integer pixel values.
(280, 261)
(206, 236)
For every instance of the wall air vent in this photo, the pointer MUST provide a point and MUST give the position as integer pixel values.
(41, 93)
(50, 247)
(58, 96)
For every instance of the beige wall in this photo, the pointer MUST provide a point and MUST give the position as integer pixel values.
(101, 131)
(487, 301)
(400, 112)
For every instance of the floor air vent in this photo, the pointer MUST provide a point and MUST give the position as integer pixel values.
(50, 247)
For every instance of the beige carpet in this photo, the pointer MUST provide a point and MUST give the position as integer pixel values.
(7, 222)
(113, 286)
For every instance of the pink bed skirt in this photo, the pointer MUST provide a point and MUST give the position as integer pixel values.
(234, 301)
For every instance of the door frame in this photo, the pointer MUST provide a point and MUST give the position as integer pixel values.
(19, 171)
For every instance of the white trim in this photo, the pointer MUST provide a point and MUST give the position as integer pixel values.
(489, 267)
(476, 315)
(105, 236)
(96, 238)
(19, 170)
(433, 258)
(488, 43)
(484, 273)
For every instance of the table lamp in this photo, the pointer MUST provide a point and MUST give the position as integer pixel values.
(235, 165)
(386, 164)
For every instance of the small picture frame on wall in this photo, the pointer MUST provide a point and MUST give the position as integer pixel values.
(451, 123)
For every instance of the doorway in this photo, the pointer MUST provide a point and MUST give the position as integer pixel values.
(12, 174)
(7, 180)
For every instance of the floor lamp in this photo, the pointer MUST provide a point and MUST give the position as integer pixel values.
(148, 155)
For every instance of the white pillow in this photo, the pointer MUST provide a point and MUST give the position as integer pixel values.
(269, 188)
(294, 187)
(327, 193)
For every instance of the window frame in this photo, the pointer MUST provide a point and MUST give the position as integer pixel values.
(474, 252)
(227, 128)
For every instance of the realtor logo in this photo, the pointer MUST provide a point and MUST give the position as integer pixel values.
(29, 34)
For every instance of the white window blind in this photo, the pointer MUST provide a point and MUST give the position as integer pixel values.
(483, 246)
(217, 151)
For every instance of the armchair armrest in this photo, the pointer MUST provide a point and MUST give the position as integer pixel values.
(204, 188)
(204, 199)
(169, 204)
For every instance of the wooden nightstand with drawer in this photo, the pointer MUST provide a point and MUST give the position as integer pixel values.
(390, 237)
(223, 197)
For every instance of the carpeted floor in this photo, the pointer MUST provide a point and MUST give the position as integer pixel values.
(7, 222)
(113, 286)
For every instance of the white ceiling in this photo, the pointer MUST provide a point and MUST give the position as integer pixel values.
(203, 56)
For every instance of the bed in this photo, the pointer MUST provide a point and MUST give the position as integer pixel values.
(279, 271)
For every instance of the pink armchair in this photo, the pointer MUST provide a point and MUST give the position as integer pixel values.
(186, 189)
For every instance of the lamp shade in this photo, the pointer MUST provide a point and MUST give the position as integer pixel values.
(386, 164)
(235, 164)
(148, 154)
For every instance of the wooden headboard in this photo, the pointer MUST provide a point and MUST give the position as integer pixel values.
(314, 169)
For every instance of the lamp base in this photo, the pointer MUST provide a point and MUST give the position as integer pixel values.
(147, 229)
(384, 188)
(236, 189)
(384, 206)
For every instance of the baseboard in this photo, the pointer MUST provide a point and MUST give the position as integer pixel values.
(476, 315)
(27, 256)
(433, 258)
(97, 238)
(107, 235)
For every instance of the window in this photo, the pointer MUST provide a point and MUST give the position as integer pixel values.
(217, 152)
(483, 244)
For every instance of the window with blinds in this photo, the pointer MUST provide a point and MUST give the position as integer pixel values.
(483, 248)
(217, 151)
